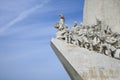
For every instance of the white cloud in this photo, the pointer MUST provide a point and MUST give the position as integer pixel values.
(22, 16)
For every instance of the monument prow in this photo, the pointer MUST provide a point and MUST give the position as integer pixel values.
(82, 64)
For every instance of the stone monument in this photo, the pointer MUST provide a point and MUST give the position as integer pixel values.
(90, 51)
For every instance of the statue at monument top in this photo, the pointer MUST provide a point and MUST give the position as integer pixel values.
(62, 20)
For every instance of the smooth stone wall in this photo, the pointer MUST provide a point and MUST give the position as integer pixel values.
(106, 10)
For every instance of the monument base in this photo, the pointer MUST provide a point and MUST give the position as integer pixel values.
(82, 64)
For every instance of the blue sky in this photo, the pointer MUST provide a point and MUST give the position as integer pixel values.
(26, 28)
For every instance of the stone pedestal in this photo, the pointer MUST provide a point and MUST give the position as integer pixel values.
(82, 64)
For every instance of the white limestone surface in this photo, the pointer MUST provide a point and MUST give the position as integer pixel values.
(107, 11)
(82, 64)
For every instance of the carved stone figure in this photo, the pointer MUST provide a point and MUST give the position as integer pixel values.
(75, 32)
(62, 21)
(70, 37)
(117, 54)
(96, 43)
(67, 34)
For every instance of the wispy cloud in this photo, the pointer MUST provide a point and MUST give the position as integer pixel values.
(22, 16)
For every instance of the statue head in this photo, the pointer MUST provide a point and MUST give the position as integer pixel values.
(61, 15)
